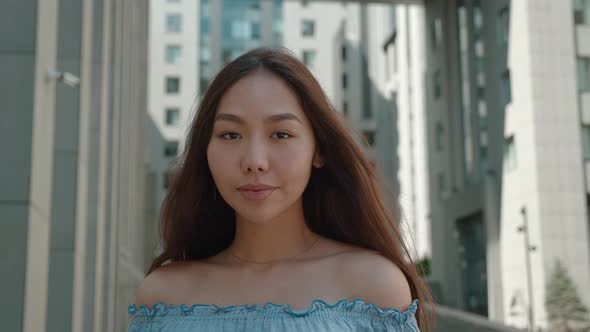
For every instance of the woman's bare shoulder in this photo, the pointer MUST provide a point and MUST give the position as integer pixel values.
(374, 278)
(167, 283)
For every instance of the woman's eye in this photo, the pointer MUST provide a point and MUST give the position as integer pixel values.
(230, 136)
(282, 135)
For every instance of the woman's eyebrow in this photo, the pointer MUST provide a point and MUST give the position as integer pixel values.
(273, 118)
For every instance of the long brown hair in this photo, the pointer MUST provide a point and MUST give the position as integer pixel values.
(342, 201)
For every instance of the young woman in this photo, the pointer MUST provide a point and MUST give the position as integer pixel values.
(275, 220)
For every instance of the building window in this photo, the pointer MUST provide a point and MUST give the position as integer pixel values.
(345, 108)
(586, 142)
(503, 25)
(309, 58)
(583, 74)
(205, 55)
(437, 84)
(173, 23)
(436, 33)
(477, 17)
(239, 29)
(167, 177)
(509, 154)
(344, 81)
(439, 130)
(172, 84)
(171, 149)
(204, 84)
(582, 11)
(230, 54)
(480, 92)
(343, 53)
(369, 137)
(173, 54)
(255, 30)
(506, 88)
(226, 56)
(204, 25)
(172, 116)
(307, 28)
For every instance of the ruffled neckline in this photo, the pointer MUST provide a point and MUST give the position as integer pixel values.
(358, 305)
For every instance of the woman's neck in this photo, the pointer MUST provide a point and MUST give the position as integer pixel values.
(275, 240)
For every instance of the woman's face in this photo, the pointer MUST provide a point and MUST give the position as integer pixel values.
(262, 148)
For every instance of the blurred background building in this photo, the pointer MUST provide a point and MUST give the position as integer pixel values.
(476, 112)
(172, 84)
(507, 115)
(72, 186)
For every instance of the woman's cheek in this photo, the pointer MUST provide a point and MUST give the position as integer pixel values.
(294, 161)
(220, 164)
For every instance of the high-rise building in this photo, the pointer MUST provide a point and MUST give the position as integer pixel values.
(402, 74)
(173, 87)
(508, 116)
(230, 28)
(72, 236)
(371, 70)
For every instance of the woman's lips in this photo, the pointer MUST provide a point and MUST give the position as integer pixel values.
(256, 195)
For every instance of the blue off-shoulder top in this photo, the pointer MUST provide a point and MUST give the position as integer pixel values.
(344, 315)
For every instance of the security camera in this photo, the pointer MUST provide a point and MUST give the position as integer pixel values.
(66, 78)
(69, 80)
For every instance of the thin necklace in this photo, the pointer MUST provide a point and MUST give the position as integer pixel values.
(276, 260)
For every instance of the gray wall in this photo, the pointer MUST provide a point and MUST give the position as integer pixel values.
(72, 232)
(18, 25)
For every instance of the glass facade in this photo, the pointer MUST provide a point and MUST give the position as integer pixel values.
(277, 23)
(172, 116)
(242, 29)
(586, 142)
(509, 154)
(582, 12)
(473, 89)
(503, 25)
(171, 149)
(173, 54)
(307, 28)
(436, 33)
(480, 107)
(309, 58)
(172, 84)
(369, 137)
(204, 45)
(173, 23)
(472, 255)
(465, 89)
(506, 88)
(439, 131)
(436, 84)
(583, 66)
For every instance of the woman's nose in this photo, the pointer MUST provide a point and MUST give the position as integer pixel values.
(255, 159)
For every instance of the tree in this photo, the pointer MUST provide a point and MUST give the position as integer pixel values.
(423, 266)
(562, 302)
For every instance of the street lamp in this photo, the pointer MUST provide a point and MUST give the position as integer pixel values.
(527, 256)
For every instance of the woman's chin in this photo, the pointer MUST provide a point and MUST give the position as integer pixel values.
(256, 215)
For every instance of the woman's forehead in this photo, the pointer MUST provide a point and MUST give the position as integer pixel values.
(261, 95)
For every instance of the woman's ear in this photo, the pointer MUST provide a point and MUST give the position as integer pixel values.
(318, 160)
